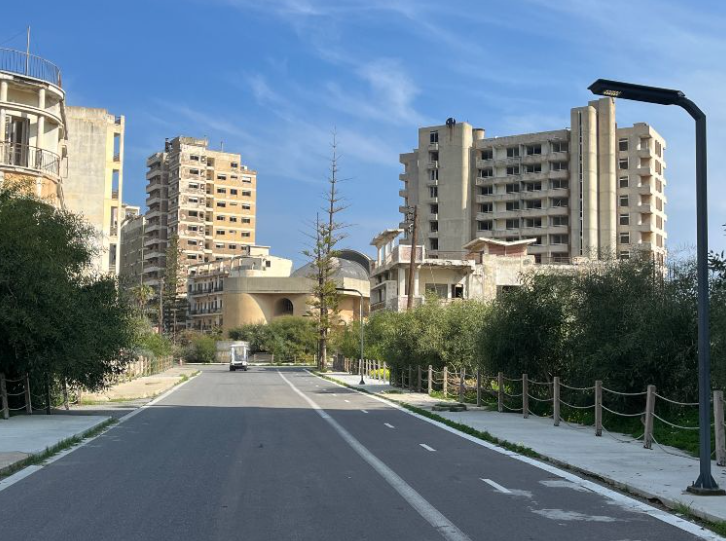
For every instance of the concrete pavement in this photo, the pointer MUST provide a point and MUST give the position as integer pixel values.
(255, 455)
(143, 387)
(662, 473)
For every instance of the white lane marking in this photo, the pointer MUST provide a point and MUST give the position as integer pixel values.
(497, 486)
(389, 425)
(427, 447)
(348, 401)
(433, 516)
(26, 472)
(615, 497)
(364, 411)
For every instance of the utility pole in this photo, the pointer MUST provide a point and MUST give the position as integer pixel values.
(412, 264)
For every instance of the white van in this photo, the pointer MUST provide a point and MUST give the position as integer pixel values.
(238, 357)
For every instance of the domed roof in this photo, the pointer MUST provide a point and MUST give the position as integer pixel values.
(342, 268)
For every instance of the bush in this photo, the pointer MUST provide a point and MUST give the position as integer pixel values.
(286, 337)
(199, 348)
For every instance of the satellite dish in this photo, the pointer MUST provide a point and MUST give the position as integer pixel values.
(450, 122)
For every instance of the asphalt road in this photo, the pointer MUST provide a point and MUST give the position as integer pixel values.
(280, 454)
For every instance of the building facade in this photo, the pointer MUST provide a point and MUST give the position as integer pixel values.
(131, 259)
(94, 185)
(594, 190)
(32, 125)
(204, 197)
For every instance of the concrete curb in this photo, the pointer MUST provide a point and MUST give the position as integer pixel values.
(669, 503)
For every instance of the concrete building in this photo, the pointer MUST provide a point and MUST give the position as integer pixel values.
(32, 124)
(483, 268)
(94, 186)
(131, 259)
(594, 190)
(206, 197)
(259, 294)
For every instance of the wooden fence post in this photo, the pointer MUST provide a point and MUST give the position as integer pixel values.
(500, 392)
(598, 408)
(556, 400)
(446, 381)
(4, 397)
(649, 410)
(65, 395)
(26, 388)
(430, 379)
(525, 396)
(478, 388)
(718, 420)
(462, 384)
(418, 386)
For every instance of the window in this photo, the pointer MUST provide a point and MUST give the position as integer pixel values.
(624, 219)
(486, 173)
(193, 200)
(193, 228)
(220, 218)
(559, 221)
(484, 225)
(534, 149)
(624, 181)
(246, 207)
(193, 214)
(434, 174)
(623, 163)
(558, 239)
(245, 234)
(559, 146)
(233, 177)
(487, 154)
(233, 218)
(434, 227)
(558, 166)
(533, 204)
(433, 137)
(232, 191)
(513, 170)
(532, 186)
(486, 207)
(246, 220)
(512, 205)
(439, 289)
(658, 149)
(434, 209)
(246, 194)
(659, 241)
(623, 145)
(512, 223)
(193, 185)
(221, 204)
(559, 202)
(221, 177)
(234, 165)
(658, 203)
(559, 184)
(513, 152)
(533, 168)
(624, 201)
(659, 222)
(485, 190)
(194, 158)
(624, 254)
(512, 188)
(191, 256)
(434, 191)
(221, 232)
(232, 246)
(533, 222)
(658, 167)
(433, 244)
(624, 238)
(194, 171)
(659, 185)
(192, 242)
(246, 179)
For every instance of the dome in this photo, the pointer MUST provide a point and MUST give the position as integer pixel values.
(342, 268)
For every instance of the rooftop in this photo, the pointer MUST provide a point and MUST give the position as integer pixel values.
(29, 65)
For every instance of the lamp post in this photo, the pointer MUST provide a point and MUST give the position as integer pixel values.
(705, 484)
(360, 318)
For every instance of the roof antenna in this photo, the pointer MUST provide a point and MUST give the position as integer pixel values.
(27, 54)
(221, 143)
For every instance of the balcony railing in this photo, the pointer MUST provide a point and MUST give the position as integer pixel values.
(29, 65)
(29, 157)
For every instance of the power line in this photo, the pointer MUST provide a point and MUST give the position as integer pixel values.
(15, 36)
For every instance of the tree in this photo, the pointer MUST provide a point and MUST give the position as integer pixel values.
(326, 235)
(173, 303)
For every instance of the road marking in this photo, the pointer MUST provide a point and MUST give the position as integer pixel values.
(616, 497)
(348, 401)
(427, 447)
(389, 425)
(497, 486)
(433, 516)
(364, 411)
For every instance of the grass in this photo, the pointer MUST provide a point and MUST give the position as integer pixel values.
(182, 379)
(39, 458)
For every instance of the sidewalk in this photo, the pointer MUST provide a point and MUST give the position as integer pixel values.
(144, 387)
(662, 473)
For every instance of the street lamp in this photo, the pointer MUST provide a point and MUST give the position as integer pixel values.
(360, 318)
(705, 484)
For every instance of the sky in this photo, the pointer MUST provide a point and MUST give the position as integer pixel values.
(272, 80)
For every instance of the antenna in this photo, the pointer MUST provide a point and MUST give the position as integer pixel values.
(27, 54)
(221, 144)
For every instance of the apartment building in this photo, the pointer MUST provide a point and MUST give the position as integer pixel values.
(94, 184)
(205, 197)
(32, 124)
(131, 263)
(593, 190)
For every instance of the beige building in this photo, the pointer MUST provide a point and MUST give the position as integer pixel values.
(261, 293)
(131, 262)
(206, 197)
(94, 186)
(593, 190)
(32, 124)
(482, 269)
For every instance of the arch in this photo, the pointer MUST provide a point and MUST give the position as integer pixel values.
(284, 307)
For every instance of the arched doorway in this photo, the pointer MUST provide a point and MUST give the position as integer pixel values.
(284, 307)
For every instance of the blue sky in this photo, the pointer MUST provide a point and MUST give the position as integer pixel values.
(272, 78)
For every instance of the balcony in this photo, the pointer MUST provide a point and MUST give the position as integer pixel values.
(403, 193)
(534, 176)
(433, 147)
(645, 208)
(561, 174)
(645, 153)
(533, 158)
(433, 164)
(558, 211)
(29, 65)
(561, 156)
(481, 181)
(28, 157)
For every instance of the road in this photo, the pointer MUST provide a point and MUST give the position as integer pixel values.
(274, 454)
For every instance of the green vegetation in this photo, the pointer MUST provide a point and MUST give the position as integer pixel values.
(197, 347)
(288, 338)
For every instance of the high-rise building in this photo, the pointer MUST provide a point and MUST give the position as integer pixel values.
(94, 185)
(32, 124)
(204, 197)
(131, 262)
(594, 190)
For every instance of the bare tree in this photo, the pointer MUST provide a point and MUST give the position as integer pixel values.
(327, 233)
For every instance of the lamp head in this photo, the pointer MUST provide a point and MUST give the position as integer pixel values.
(629, 91)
